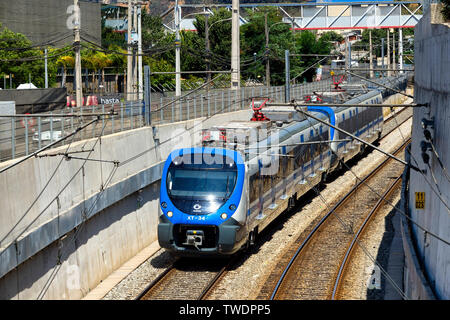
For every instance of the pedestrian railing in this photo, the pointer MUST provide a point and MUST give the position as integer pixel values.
(22, 136)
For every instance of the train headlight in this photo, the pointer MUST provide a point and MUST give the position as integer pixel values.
(170, 214)
(224, 216)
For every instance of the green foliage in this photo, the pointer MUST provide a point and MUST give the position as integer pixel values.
(112, 38)
(253, 41)
(219, 37)
(307, 42)
(446, 9)
(331, 36)
(152, 30)
(378, 34)
(10, 44)
(159, 65)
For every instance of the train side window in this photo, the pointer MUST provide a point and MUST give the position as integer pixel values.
(302, 139)
(290, 163)
(254, 187)
(281, 165)
(267, 183)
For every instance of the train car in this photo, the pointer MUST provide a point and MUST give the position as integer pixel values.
(215, 199)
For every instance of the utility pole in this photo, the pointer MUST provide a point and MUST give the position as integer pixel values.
(400, 49)
(382, 56)
(266, 28)
(135, 62)
(394, 65)
(349, 77)
(348, 60)
(177, 50)
(46, 68)
(235, 49)
(370, 55)
(140, 87)
(346, 53)
(77, 47)
(208, 53)
(388, 53)
(147, 96)
(287, 87)
(129, 52)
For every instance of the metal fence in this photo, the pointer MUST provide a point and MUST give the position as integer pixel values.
(22, 136)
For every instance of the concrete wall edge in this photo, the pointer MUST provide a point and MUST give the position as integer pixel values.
(412, 262)
(26, 246)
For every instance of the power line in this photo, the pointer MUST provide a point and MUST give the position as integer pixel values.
(48, 146)
(39, 45)
(35, 58)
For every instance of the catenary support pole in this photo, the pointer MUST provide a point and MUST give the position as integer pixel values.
(77, 47)
(287, 86)
(235, 50)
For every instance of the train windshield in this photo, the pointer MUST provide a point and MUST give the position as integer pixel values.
(200, 188)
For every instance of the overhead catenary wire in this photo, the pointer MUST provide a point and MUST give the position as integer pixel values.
(366, 252)
(187, 94)
(438, 192)
(36, 46)
(35, 58)
(85, 215)
(38, 196)
(49, 145)
(392, 205)
(348, 227)
(308, 114)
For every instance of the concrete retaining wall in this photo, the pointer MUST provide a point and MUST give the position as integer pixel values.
(63, 229)
(432, 85)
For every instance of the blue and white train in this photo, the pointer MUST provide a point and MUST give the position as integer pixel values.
(214, 200)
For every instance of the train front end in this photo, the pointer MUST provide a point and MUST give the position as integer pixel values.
(202, 202)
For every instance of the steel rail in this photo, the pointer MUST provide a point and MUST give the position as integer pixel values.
(319, 224)
(207, 291)
(346, 259)
(155, 282)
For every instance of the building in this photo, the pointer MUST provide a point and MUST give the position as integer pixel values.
(47, 21)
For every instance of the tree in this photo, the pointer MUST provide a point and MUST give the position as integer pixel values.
(96, 60)
(152, 30)
(378, 34)
(253, 41)
(219, 38)
(306, 42)
(332, 36)
(65, 62)
(19, 58)
(446, 9)
(159, 65)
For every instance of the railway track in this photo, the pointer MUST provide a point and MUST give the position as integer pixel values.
(339, 291)
(309, 269)
(393, 122)
(187, 279)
